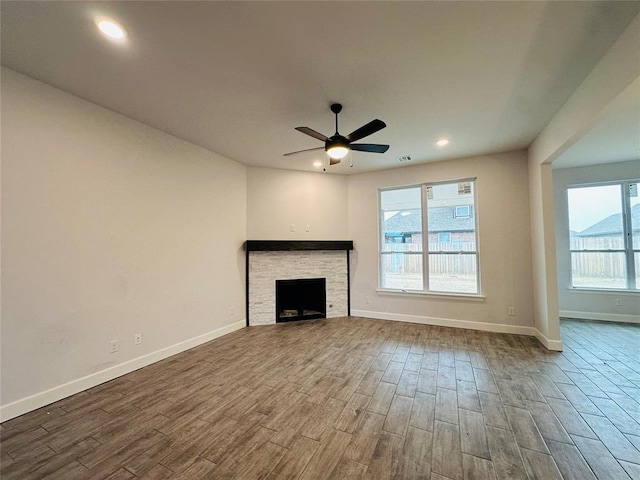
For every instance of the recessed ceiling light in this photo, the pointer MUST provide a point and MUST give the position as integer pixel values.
(112, 29)
(442, 142)
(317, 164)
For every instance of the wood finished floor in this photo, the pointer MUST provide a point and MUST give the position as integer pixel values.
(352, 398)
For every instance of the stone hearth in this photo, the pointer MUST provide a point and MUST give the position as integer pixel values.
(268, 261)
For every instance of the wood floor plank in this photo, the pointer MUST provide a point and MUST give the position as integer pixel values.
(446, 405)
(599, 459)
(295, 460)
(484, 380)
(386, 458)
(423, 411)
(347, 468)
(616, 414)
(382, 398)
(548, 424)
(447, 454)
(352, 413)
(446, 377)
(393, 372)
(416, 455)
(365, 438)
(611, 437)
(327, 456)
(407, 384)
(569, 461)
(468, 396)
(475, 468)
(632, 469)
(493, 410)
(397, 420)
(505, 455)
(427, 381)
(570, 419)
(369, 382)
(473, 435)
(540, 466)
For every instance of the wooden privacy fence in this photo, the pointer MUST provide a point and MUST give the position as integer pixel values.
(598, 264)
(460, 264)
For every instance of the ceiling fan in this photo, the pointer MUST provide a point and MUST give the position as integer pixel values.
(337, 146)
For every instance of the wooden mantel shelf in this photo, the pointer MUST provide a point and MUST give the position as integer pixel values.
(292, 245)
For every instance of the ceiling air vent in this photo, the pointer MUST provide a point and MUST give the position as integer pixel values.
(406, 158)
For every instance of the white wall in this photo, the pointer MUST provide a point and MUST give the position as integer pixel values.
(278, 198)
(109, 228)
(582, 304)
(543, 254)
(588, 105)
(505, 250)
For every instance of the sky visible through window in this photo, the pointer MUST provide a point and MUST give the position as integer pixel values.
(589, 205)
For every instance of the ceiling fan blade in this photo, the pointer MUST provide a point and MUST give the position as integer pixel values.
(334, 161)
(312, 133)
(369, 147)
(300, 151)
(372, 127)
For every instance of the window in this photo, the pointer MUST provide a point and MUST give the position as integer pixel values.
(438, 226)
(604, 235)
(463, 211)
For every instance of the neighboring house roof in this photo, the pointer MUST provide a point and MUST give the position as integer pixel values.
(612, 224)
(441, 219)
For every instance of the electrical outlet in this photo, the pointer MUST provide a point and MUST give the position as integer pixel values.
(114, 346)
(137, 339)
(306, 228)
(511, 311)
(292, 227)
(618, 302)
(366, 300)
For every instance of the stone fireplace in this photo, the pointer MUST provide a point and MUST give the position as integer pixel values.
(296, 266)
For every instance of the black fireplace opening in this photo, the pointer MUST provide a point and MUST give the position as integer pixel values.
(301, 299)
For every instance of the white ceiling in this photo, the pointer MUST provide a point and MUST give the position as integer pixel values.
(237, 77)
(614, 138)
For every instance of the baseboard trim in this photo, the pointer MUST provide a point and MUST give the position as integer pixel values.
(604, 317)
(446, 322)
(39, 400)
(555, 345)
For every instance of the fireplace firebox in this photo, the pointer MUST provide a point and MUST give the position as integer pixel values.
(301, 299)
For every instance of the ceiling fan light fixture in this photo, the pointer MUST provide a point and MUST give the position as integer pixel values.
(337, 151)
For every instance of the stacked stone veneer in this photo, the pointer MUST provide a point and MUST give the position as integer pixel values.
(265, 267)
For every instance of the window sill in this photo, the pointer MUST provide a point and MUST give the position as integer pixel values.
(617, 291)
(473, 297)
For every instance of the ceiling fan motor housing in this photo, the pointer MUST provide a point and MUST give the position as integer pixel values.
(336, 141)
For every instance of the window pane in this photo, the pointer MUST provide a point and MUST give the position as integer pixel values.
(637, 259)
(634, 197)
(402, 271)
(598, 269)
(595, 218)
(453, 273)
(401, 239)
(445, 203)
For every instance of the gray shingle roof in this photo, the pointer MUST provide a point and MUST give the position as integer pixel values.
(612, 224)
(441, 219)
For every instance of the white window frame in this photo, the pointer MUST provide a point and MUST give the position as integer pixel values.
(628, 249)
(425, 241)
